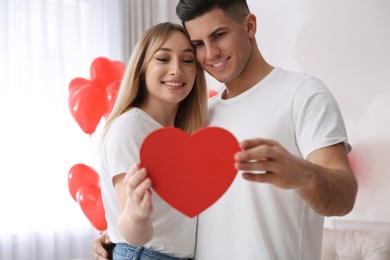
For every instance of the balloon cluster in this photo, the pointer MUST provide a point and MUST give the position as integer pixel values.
(84, 187)
(91, 99)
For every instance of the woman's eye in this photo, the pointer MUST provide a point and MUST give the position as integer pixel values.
(162, 59)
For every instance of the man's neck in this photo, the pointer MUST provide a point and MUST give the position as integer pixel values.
(253, 74)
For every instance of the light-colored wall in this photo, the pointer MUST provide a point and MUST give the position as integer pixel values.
(345, 43)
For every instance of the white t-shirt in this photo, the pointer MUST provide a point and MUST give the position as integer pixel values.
(254, 221)
(174, 233)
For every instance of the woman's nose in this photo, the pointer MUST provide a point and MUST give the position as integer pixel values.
(175, 69)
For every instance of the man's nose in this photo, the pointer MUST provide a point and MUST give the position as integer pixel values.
(212, 51)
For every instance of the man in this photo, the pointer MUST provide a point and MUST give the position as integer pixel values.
(294, 162)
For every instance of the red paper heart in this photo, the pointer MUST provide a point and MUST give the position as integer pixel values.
(190, 172)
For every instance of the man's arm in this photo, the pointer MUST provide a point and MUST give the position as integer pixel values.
(333, 185)
(101, 248)
(325, 180)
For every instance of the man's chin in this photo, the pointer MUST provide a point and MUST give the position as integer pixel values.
(220, 78)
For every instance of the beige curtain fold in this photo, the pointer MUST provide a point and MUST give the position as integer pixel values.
(139, 15)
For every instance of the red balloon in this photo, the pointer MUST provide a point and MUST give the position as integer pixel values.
(81, 175)
(104, 71)
(87, 104)
(119, 67)
(112, 92)
(90, 200)
(77, 83)
(212, 93)
(90, 100)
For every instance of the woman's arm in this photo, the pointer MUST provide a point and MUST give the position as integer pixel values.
(134, 195)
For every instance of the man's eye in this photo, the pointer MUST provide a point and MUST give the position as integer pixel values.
(218, 35)
(197, 44)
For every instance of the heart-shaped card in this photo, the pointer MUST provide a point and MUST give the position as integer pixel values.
(190, 172)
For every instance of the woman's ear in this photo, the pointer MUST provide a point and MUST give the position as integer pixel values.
(250, 24)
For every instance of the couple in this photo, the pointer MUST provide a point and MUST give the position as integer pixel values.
(289, 125)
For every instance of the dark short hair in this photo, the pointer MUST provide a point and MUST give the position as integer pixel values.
(188, 10)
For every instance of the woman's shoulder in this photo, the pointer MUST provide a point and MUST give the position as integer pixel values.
(134, 119)
(130, 117)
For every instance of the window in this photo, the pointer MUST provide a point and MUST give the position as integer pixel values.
(44, 45)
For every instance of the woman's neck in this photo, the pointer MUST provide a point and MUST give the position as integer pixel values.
(164, 114)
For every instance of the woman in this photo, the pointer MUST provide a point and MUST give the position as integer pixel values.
(163, 86)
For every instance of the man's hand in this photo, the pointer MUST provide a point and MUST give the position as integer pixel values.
(267, 161)
(324, 180)
(101, 248)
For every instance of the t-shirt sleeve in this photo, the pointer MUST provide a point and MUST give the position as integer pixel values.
(122, 144)
(317, 117)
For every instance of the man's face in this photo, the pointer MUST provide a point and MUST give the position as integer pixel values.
(222, 45)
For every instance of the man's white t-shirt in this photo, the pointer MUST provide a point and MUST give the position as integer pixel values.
(254, 221)
(174, 233)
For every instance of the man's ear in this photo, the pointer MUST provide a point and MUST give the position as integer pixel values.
(250, 25)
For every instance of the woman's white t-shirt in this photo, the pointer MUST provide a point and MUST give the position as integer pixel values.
(174, 233)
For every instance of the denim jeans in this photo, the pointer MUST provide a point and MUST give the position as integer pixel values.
(124, 251)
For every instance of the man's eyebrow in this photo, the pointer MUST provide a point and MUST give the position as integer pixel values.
(217, 30)
(212, 34)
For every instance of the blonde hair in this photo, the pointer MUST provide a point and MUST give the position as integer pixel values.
(192, 110)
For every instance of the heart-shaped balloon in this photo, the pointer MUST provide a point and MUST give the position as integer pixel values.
(112, 92)
(90, 200)
(190, 172)
(90, 100)
(87, 104)
(77, 83)
(212, 93)
(104, 71)
(81, 175)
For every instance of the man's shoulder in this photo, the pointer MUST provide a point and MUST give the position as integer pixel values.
(290, 78)
(292, 75)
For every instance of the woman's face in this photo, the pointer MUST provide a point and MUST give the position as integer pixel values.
(170, 75)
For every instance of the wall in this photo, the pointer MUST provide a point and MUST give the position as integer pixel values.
(345, 43)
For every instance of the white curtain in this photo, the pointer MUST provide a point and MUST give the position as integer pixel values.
(142, 14)
(44, 44)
